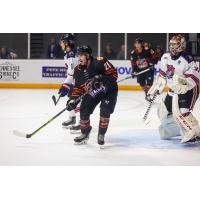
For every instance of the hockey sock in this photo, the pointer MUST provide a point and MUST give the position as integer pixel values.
(103, 124)
(85, 126)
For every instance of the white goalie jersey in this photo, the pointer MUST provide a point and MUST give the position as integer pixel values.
(71, 61)
(184, 66)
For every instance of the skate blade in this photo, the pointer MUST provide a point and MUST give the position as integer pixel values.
(101, 147)
(75, 132)
(66, 127)
(19, 133)
(81, 143)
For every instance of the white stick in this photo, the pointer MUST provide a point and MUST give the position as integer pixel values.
(19, 133)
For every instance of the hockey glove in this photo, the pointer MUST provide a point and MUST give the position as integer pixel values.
(97, 82)
(65, 89)
(100, 91)
(181, 85)
(71, 104)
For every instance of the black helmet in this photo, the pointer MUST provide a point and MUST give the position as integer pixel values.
(68, 38)
(138, 40)
(84, 49)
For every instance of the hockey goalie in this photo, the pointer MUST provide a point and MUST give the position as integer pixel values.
(180, 74)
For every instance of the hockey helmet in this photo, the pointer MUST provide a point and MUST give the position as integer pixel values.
(84, 49)
(68, 39)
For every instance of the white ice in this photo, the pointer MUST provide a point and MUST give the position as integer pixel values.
(128, 141)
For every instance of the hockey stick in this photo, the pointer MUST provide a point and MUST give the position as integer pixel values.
(20, 134)
(135, 74)
(149, 108)
(54, 99)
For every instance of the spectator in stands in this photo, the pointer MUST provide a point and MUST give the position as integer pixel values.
(120, 55)
(109, 53)
(54, 50)
(13, 54)
(198, 46)
(4, 54)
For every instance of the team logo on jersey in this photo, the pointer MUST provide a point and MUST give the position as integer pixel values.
(179, 62)
(170, 71)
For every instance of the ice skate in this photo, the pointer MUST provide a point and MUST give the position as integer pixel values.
(75, 129)
(82, 139)
(101, 139)
(71, 121)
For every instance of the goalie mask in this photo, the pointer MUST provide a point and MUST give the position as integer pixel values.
(177, 44)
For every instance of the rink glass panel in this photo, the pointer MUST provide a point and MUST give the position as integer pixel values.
(40, 42)
(153, 38)
(15, 42)
(88, 39)
(116, 39)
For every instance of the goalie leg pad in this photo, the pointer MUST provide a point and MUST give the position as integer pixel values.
(168, 128)
(190, 127)
(188, 123)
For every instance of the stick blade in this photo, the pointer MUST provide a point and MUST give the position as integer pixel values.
(19, 133)
(54, 100)
(146, 121)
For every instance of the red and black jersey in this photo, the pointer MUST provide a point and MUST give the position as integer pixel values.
(84, 74)
(140, 60)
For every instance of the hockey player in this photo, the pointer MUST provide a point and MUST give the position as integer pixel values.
(181, 74)
(71, 61)
(96, 80)
(142, 59)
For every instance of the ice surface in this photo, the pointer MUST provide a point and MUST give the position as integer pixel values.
(128, 141)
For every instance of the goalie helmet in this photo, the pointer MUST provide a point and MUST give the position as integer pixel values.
(177, 44)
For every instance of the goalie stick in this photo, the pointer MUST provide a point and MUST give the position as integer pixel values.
(149, 108)
(20, 134)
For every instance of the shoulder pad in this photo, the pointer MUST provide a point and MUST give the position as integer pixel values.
(166, 55)
(187, 57)
(100, 58)
(71, 54)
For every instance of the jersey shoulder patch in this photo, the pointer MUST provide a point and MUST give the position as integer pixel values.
(71, 54)
(187, 57)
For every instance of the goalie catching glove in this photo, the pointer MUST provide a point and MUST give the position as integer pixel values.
(157, 87)
(181, 85)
